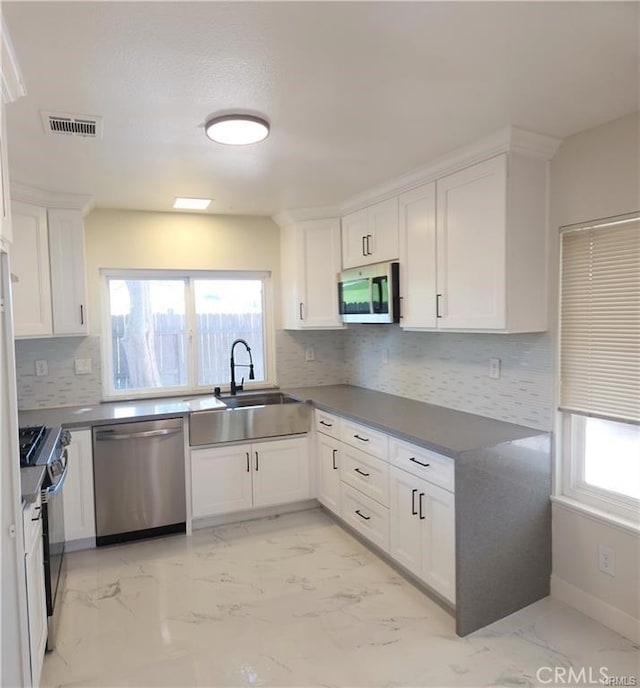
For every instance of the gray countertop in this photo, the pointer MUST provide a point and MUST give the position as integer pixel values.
(436, 427)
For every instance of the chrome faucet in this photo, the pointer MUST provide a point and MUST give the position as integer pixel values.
(234, 387)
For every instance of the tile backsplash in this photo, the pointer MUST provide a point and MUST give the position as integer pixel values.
(445, 369)
(452, 370)
(62, 387)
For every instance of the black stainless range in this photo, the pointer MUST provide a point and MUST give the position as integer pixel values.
(43, 446)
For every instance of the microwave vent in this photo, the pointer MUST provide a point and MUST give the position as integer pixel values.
(85, 126)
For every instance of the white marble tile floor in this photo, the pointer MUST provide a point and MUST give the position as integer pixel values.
(296, 601)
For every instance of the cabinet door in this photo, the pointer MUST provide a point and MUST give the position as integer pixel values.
(328, 457)
(36, 603)
(471, 246)
(320, 265)
(68, 274)
(79, 504)
(382, 236)
(280, 471)
(31, 290)
(405, 525)
(437, 510)
(220, 480)
(355, 228)
(5, 212)
(418, 257)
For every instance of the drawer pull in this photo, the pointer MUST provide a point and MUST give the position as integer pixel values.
(366, 518)
(37, 510)
(362, 439)
(366, 475)
(413, 502)
(422, 516)
(424, 465)
(248, 463)
(326, 425)
(333, 459)
(257, 464)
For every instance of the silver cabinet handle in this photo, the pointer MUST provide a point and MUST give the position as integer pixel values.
(362, 439)
(369, 253)
(301, 310)
(134, 435)
(257, 465)
(366, 518)
(413, 502)
(364, 241)
(327, 425)
(248, 462)
(81, 314)
(438, 313)
(333, 459)
(420, 496)
(366, 475)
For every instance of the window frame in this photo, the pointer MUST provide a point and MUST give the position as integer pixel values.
(574, 486)
(569, 472)
(188, 277)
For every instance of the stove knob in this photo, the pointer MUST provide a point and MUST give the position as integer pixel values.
(65, 438)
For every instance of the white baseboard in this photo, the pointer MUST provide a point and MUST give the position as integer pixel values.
(604, 613)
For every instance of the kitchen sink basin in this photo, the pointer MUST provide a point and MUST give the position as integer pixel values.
(264, 399)
(247, 417)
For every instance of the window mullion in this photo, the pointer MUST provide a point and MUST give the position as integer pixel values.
(192, 334)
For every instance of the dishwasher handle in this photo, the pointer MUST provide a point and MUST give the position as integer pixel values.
(110, 435)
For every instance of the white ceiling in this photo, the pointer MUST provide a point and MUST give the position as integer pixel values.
(357, 93)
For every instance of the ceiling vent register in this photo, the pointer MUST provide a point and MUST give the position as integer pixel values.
(85, 126)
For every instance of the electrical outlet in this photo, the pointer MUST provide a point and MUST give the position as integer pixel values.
(309, 354)
(82, 366)
(42, 368)
(606, 560)
(494, 368)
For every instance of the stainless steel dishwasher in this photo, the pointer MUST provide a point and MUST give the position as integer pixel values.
(139, 481)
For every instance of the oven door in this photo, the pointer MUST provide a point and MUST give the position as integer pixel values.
(53, 536)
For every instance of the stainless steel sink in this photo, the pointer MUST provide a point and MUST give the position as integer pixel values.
(248, 417)
(263, 399)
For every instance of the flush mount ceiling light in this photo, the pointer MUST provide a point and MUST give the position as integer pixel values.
(192, 203)
(237, 130)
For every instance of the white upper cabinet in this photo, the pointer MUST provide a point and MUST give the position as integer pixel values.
(310, 253)
(370, 235)
(68, 274)
(418, 257)
(5, 210)
(49, 274)
(473, 249)
(31, 286)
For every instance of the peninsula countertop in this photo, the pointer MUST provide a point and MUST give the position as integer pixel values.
(442, 429)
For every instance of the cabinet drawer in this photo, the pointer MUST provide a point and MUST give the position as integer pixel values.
(366, 473)
(327, 424)
(422, 462)
(365, 438)
(365, 515)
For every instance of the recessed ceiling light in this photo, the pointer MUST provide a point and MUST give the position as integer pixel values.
(192, 203)
(237, 130)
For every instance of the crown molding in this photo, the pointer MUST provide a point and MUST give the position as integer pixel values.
(292, 217)
(508, 139)
(13, 86)
(51, 199)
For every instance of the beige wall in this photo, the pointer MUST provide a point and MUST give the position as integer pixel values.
(595, 174)
(138, 239)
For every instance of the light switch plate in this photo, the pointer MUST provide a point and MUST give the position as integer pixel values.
(82, 366)
(494, 368)
(42, 368)
(309, 354)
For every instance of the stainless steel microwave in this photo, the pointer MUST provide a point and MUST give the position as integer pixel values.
(370, 294)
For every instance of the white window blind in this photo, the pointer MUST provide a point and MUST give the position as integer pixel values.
(600, 321)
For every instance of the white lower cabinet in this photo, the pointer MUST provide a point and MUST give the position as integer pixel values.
(328, 463)
(422, 530)
(225, 479)
(36, 599)
(366, 515)
(79, 502)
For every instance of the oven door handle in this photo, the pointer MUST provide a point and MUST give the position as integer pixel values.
(57, 486)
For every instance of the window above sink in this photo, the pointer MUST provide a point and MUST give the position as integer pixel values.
(170, 331)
